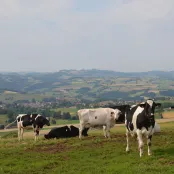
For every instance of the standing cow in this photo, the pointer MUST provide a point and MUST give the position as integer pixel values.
(140, 120)
(37, 121)
(100, 117)
(123, 109)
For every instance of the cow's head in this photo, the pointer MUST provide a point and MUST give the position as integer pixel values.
(41, 121)
(116, 114)
(149, 107)
(47, 136)
(46, 121)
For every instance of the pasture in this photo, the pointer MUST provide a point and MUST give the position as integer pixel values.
(71, 110)
(3, 118)
(92, 154)
(12, 97)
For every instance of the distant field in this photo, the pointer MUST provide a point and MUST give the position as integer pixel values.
(72, 110)
(11, 97)
(10, 92)
(92, 155)
(60, 122)
(3, 118)
(169, 114)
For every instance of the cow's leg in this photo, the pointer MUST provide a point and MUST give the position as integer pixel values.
(108, 131)
(127, 139)
(140, 141)
(22, 132)
(19, 133)
(36, 134)
(149, 144)
(104, 131)
(80, 130)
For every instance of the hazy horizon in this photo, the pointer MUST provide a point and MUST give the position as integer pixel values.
(122, 36)
(85, 70)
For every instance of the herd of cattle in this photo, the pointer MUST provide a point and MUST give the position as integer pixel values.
(139, 119)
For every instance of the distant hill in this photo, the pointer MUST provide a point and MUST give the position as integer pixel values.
(89, 84)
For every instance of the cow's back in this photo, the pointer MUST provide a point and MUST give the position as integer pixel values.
(131, 116)
(59, 132)
(135, 119)
(93, 117)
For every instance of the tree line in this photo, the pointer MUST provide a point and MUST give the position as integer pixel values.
(12, 112)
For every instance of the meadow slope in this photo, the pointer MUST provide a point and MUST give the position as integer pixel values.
(92, 155)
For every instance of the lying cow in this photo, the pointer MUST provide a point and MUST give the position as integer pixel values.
(100, 117)
(59, 132)
(65, 132)
(75, 131)
(35, 121)
(140, 120)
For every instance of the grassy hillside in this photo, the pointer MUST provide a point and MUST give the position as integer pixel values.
(93, 154)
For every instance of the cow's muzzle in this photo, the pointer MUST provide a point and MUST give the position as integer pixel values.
(48, 124)
(46, 136)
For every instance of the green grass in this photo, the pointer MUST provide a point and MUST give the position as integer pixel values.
(3, 118)
(72, 111)
(10, 98)
(60, 122)
(137, 94)
(10, 134)
(92, 155)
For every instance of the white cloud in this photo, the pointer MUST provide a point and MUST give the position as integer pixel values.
(142, 10)
(55, 32)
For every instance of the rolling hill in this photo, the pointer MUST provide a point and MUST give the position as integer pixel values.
(86, 84)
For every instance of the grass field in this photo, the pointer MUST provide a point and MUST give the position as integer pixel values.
(72, 111)
(92, 155)
(60, 122)
(3, 118)
(11, 97)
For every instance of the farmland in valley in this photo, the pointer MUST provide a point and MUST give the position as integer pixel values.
(85, 85)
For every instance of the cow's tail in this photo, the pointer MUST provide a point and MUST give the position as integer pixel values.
(6, 127)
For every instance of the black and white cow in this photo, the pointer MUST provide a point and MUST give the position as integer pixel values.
(37, 121)
(140, 120)
(65, 132)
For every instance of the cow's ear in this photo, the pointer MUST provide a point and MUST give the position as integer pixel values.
(158, 104)
(142, 105)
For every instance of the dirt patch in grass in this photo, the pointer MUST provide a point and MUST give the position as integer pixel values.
(165, 161)
(50, 148)
(93, 142)
(170, 163)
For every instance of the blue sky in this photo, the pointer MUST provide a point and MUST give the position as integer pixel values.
(119, 35)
